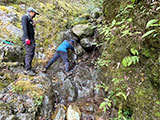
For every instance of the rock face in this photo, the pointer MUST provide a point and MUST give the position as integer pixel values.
(143, 88)
(9, 53)
(79, 85)
(73, 113)
(88, 43)
(82, 30)
(8, 18)
(22, 99)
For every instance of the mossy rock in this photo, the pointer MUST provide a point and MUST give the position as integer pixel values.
(83, 30)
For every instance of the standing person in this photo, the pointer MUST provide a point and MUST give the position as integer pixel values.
(62, 52)
(28, 39)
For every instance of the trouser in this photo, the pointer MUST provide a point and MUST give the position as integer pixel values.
(57, 55)
(30, 50)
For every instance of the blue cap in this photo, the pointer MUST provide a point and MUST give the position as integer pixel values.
(72, 41)
(30, 9)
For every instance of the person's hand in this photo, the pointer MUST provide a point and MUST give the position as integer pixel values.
(28, 42)
(75, 57)
(34, 23)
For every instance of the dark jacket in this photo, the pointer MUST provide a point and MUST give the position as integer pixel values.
(28, 28)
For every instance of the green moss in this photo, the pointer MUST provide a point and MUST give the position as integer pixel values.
(157, 114)
(3, 8)
(6, 79)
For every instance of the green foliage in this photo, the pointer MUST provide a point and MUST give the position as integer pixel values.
(134, 51)
(129, 60)
(17, 88)
(114, 95)
(152, 23)
(102, 85)
(31, 90)
(148, 33)
(38, 98)
(133, 1)
(102, 62)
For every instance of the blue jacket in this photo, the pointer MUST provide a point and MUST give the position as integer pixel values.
(64, 46)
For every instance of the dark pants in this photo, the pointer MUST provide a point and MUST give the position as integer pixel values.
(57, 55)
(30, 50)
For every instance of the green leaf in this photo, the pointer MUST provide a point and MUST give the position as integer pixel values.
(102, 105)
(129, 62)
(125, 61)
(148, 33)
(134, 51)
(151, 22)
(122, 94)
(157, 102)
(113, 23)
(158, 8)
(133, 1)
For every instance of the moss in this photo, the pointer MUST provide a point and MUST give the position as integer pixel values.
(6, 79)
(3, 8)
(157, 114)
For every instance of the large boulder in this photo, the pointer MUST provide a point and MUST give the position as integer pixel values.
(96, 13)
(60, 113)
(9, 53)
(65, 35)
(83, 30)
(8, 19)
(88, 43)
(73, 113)
(27, 98)
(79, 50)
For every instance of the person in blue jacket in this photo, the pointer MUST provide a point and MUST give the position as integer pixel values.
(62, 52)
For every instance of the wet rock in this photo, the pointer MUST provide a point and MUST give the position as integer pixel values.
(48, 98)
(88, 43)
(80, 20)
(11, 117)
(40, 55)
(23, 116)
(10, 53)
(96, 13)
(73, 113)
(79, 50)
(30, 98)
(86, 116)
(14, 30)
(85, 16)
(22, 6)
(9, 16)
(60, 113)
(88, 108)
(65, 35)
(83, 30)
(70, 91)
(8, 19)
(84, 81)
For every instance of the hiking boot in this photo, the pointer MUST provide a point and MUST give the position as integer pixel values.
(30, 72)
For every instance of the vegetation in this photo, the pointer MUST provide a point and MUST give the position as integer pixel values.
(129, 37)
(30, 89)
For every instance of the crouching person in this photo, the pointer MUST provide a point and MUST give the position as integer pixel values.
(62, 52)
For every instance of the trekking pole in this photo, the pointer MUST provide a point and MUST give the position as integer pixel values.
(7, 42)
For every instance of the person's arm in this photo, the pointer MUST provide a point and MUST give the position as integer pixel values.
(25, 26)
(72, 48)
